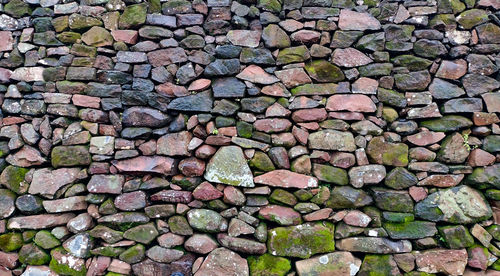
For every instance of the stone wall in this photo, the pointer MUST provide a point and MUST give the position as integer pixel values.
(250, 137)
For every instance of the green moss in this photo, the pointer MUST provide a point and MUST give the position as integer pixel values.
(410, 230)
(292, 55)
(456, 236)
(268, 265)
(107, 251)
(64, 267)
(269, 5)
(133, 254)
(13, 178)
(302, 240)
(323, 71)
(133, 16)
(46, 240)
(447, 123)
(30, 254)
(244, 129)
(11, 241)
(261, 161)
(17, 8)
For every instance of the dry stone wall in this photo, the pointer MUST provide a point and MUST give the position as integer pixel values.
(250, 137)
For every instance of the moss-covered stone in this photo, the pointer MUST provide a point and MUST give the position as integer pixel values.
(133, 16)
(330, 174)
(143, 233)
(301, 241)
(391, 154)
(17, 8)
(484, 177)
(456, 236)
(413, 63)
(133, 254)
(379, 265)
(46, 240)
(179, 225)
(410, 229)
(323, 71)
(392, 200)
(11, 241)
(261, 161)
(447, 123)
(80, 22)
(268, 265)
(389, 114)
(392, 98)
(314, 89)
(12, 177)
(107, 251)
(63, 156)
(293, 54)
(269, 5)
(244, 129)
(30, 254)
(65, 264)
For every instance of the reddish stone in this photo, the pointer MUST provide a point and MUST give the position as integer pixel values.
(192, 167)
(39, 221)
(357, 218)
(5, 75)
(350, 57)
(425, 138)
(167, 56)
(286, 179)
(480, 158)
(86, 101)
(305, 36)
(244, 38)
(300, 134)
(321, 214)
(447, 261)
(277, 110)
(276, 90)
(206, 191)
(365, 86)
(492, 101)
(293, 77)
(478, 258)
(348, 116)
(131, 201)
(442, 181)
(452, 69)
(343, 160)
(484, 119)
(272, 125)
(309, 126)
(228, 131)
(357, 21)
(306, 115)
(148, 148)
(234, 196)
(26, 157)
(170, 240)
(280, 214)
(199, 85)
(222, 261)
(6, 41)
(147, 164)
(418, 193)
(171, 90)
(218, 140)
(283, 139)
(205, 151)
(99, 265)
(256, 74)
(201, 244)
(127, 36)
(8, 260)
(174, 144)
(7, 121)
(355, 103)
(119, 267)
(172, 196)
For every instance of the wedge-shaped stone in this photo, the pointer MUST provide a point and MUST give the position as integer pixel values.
(286, 179)
(229, 166)
(330, 139)
(39, 221)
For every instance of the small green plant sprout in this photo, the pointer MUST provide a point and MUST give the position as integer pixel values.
(215, 131)
(465, 136)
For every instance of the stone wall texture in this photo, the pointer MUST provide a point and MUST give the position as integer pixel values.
(250, 137)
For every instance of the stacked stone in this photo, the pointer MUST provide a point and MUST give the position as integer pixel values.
(254, 137)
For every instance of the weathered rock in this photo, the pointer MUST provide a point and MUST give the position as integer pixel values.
(336, 263)
(374, 245)
(229, 166)
(450, 262)
(286, 179)
(223, 261)
(460, 204)
(391, 154)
